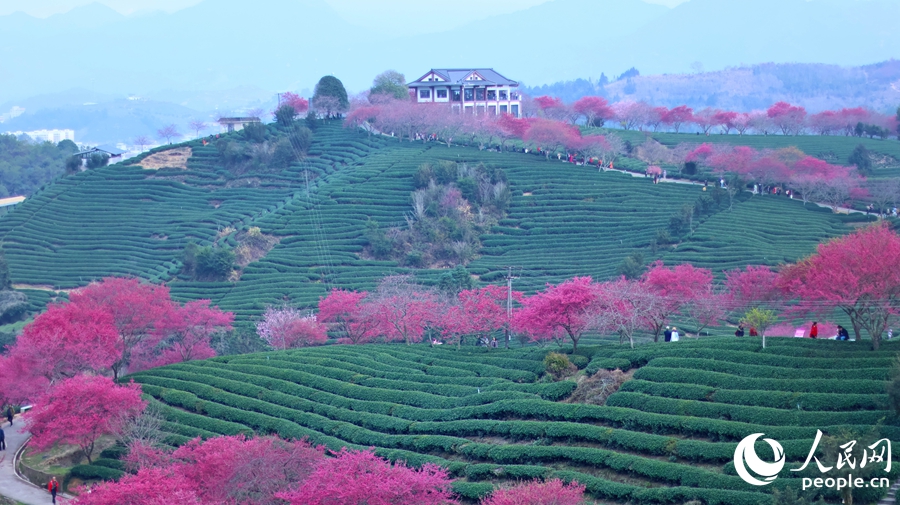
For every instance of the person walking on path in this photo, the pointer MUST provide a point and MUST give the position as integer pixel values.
(53, 487)
(2, 440)
(9, 415)
(814, 330)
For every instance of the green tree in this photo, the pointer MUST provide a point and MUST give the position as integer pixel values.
(632, 267)
(73, 164)
(761, 319)
(285, 115)
(391, 83)
(330, 97)
(456, 280)
(98, 160)
(860, 158)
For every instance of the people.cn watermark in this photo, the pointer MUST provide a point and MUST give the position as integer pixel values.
(753, 470)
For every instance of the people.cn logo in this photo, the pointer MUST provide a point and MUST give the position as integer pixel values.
(745, 457)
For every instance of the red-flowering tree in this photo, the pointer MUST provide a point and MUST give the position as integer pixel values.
(707, 308)
(362, 478)
(288, 328)
(59, 344)
(549, 135)
(790, 119)
(182, 335)
(706, 119)
(402, 310)
(622, 308)
(841, 274)
(150, 486)
(750, 287)
(363, 116)
(479, 312)
(349, 313)
(135, 308)
(511, 127)
(674, 288)
(726, 119)
(742, 121)
(552, 108)
(677, 116)
(594, 109)
(79, 410)
(245, 471)
(552, 492)
(632, 114)
(563, 310)
(295, 101)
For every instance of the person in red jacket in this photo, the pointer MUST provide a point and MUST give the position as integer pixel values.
(814, 330)
(53, 487)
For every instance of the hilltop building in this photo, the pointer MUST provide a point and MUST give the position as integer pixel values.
(236, 124)
(474, 91)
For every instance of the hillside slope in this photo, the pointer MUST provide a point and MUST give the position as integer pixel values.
(668, 436)
(563, 220)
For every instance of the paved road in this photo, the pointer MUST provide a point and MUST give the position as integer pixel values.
(11, 485)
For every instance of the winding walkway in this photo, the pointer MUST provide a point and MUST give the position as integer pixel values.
(11, 485)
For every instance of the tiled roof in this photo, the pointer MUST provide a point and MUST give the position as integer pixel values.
(457, 76)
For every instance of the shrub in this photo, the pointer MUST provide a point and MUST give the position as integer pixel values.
(558, 365)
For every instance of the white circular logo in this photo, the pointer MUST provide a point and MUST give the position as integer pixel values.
(745, 457)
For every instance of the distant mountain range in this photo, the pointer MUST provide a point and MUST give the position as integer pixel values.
(229, 55)
(815, 86)
(276, 45)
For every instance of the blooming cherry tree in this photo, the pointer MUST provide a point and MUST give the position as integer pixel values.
(81, 409)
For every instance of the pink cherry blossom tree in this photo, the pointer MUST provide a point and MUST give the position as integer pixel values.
(289, 328)
(564, 310)
(551, 492)
(350, 313)
(869, 284)
(80, 410)
(594, 109)
(674, 288)
(58, 345)
(790, 119)
(362, 478)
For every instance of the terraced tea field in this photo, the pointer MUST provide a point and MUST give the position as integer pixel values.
(667, 436)
(564, 220)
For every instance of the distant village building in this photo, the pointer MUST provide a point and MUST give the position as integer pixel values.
(112, 152)
(236, 124)
(55, 136)
(476, 90)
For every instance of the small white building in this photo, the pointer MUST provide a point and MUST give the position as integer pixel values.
(236, 124)
(55, 136)
(474, 91)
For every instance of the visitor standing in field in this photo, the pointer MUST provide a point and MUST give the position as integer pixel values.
(814, 330)
(675, 336)
(53, 487)
(753, 332)
(668, 334)
(739, 332)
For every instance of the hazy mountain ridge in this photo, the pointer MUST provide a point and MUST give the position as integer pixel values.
(220, 44)
(815, 86)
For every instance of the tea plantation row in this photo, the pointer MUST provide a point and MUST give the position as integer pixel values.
(669, 434)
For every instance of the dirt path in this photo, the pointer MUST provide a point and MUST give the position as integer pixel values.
(40, 287)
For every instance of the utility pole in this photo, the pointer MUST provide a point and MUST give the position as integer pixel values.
(509, 279)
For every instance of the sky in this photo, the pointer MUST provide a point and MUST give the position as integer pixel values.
(352, 10)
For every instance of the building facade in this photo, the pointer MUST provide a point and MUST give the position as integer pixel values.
(235, 124)
(473, 91)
